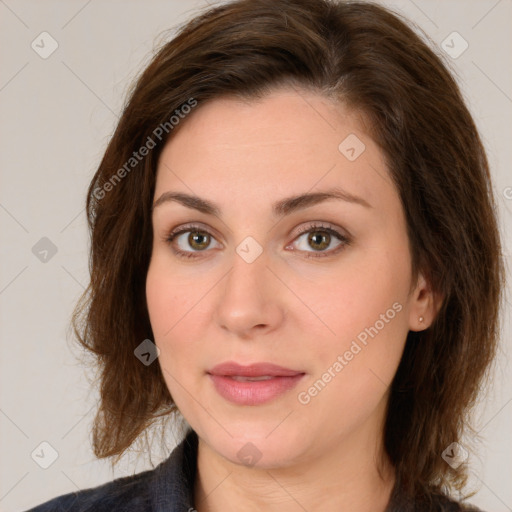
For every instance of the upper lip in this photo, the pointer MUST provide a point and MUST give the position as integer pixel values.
(230, 368)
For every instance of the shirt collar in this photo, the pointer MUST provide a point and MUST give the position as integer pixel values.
(172, 489)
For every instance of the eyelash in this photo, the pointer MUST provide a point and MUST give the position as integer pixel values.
(310, 227)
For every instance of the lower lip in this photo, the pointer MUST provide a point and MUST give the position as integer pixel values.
(253, 392)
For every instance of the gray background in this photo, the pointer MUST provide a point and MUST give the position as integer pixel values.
(56, 117)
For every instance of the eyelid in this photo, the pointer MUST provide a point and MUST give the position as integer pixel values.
(319, 225)
(341, 234)
(191, 226)
(304, 229)
(344, 237)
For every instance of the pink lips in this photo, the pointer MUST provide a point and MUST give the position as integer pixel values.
(236, 383)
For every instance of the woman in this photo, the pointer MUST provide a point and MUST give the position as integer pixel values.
(294, 247)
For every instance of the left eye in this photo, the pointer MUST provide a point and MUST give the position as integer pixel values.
(317, 237)
(320, 238)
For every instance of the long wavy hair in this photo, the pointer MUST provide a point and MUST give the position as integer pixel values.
(364, 56)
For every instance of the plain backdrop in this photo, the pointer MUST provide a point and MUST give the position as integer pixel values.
(57, 114)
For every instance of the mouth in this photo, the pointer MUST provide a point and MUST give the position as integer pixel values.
(239, 378)
(255, 384)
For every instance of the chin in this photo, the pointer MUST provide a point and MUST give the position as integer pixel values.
(263, 445)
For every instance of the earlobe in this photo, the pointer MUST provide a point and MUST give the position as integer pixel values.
(424, 306)
(419, 325)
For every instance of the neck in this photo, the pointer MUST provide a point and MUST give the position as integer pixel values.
(345, 478)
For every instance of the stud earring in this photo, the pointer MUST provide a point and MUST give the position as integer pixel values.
(420, 319)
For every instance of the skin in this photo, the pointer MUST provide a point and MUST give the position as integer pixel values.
(284, 308)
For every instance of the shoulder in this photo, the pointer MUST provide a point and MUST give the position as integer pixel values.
(444, 503)
(131, 493)
(169, 486)
(431, 500)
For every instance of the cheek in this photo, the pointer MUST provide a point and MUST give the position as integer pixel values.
(353, 368)
(160, 299)
(353, 296)
(175, 308)
(169, 295)
(165, 309)
(364, 305)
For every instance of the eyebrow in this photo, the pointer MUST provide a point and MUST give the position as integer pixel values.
(279, 209)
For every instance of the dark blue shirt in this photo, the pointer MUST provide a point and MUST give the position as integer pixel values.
(166, 488)
(170, 488)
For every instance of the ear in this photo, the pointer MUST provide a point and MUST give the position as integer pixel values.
(424, 305)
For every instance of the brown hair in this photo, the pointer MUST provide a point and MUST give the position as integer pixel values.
(363, 55)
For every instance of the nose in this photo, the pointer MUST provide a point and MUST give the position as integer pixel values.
(251, 299)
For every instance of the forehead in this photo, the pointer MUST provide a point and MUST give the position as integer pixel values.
(288, 141)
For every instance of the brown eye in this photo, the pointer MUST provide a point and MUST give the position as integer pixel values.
(198, 240)
(319, 240)
(314, 239)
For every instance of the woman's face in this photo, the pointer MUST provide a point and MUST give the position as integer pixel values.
(318, 285)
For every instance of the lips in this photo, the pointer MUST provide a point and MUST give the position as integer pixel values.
(254, 384)
(232, 369)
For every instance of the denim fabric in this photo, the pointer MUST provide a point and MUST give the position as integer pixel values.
(167, 488)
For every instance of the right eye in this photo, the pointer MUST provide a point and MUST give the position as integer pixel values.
(197, 238)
